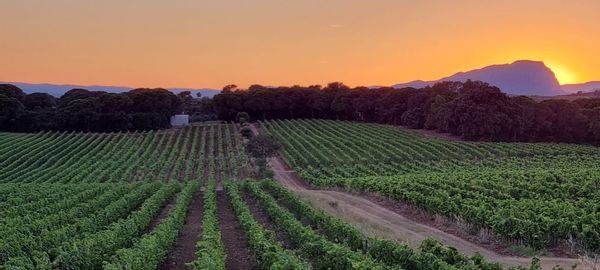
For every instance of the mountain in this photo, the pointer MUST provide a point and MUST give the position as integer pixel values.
(59, 90)
(523, 77)
(583, 87)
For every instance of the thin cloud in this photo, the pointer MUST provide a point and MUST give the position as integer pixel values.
(336, 26)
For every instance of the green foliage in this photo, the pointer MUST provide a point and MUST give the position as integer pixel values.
(90, 251)
(262, 146)
(73, 200)
(210, 250)
(10, 110)
(322, 253)
(334, 229)
(270, 254)
(242, 117)
(433, 254)
(83, 110)
(528, 194)
(76, 226)
(153, 248)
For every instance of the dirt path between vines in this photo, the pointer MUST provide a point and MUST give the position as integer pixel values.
(184, 250)
(376, 220)
(234, 240)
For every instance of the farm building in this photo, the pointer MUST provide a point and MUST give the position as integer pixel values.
(180, 120)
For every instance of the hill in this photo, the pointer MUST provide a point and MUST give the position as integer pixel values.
(583, 87)
(523, 77)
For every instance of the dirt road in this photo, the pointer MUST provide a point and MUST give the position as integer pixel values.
(376, 220)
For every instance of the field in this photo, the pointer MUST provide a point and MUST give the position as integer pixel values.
(186, 198)
(531, 194)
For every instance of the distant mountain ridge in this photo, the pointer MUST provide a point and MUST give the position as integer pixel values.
(583, 87)
(59, 89)
(523, 77)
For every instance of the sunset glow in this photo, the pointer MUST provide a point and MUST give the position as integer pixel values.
(563, 74)
(212, 43)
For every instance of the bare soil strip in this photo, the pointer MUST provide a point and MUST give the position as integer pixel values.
(238, 256)
(184, 250)
(376, 220)
(261, 217)
(439, 222)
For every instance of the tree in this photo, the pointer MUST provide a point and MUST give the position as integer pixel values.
(259, 103)
(78, 114)
(10, 111)
(187, 100)
(205, 106)
(229, 88)
(36, 101)
(114, 103)
(36, 120)
(148, 121)
(483, 112)
(261, 148)
(75, 94)
(594, 124)
(156, 100)
(228, 104)
(414, 118)
(12, 91)
(242, 117)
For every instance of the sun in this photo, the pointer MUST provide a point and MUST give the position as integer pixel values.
(563, 74)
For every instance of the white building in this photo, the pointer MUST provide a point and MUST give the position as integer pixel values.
(180, 120)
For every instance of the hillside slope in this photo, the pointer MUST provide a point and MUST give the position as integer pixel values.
(523, 77)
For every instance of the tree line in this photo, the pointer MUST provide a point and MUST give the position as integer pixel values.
(473, 110)
(84, 110)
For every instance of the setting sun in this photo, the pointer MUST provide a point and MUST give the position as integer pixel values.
(563, 74)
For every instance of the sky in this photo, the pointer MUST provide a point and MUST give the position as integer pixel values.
(212, 43)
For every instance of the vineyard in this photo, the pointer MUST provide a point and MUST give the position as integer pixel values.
(66, 157)
(531, 194)
(115, 201)
(187, 198)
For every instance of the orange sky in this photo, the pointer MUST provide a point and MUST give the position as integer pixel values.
(211, 43)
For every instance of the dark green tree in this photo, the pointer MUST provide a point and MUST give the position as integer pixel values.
(261, 148)
(10, 111)
(78, 114)
(242, 117)
(37, 101)
(12, 91)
